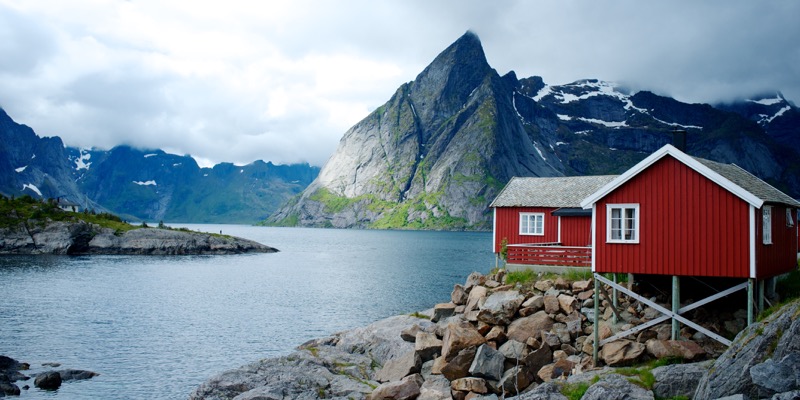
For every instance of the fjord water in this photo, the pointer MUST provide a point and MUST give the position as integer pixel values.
(156, 326)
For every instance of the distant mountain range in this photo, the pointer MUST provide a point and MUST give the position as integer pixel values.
(432, 157)
(437, 153)
(148, 185)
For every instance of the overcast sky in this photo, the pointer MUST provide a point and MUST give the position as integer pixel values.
(240, 81)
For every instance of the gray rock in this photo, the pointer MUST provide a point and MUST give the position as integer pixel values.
(678, 379)
(443, 311)
(398, 368)
(793, 395)
(545, 391)
(488, 363)
(616, 387)
(500, 307)
(436, 387)
(777, 377)
(427, 346)
(50, 380)
(459, 295)
(76, 374)
(730, 373)
(410, 334)
(514, 350)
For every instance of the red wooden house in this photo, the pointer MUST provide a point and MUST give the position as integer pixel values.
(677, 215)
(673, 214)
(539, 220)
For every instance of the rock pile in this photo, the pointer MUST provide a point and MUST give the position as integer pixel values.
(498, 339)
(49, 380)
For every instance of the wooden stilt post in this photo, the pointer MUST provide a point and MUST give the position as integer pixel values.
(614, 301)
(761, 295)
(630, 281)
(750, 290)
(596, 348)
(676, 305)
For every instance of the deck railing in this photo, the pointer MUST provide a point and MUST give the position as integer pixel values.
(549, 254)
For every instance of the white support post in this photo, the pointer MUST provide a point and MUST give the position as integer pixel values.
(750, 289)
(676, 305)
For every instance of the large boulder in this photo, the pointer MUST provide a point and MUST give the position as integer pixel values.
(406, 389)
(458, 367)
(50, 380)
(621, 352)
(616, 387)
(488, 363)
(470, 384)
(773, 338)
(500, 307)
(398, 368)
(435, 387)
(515, 380)
(427, 345)
(545, 391)
(523, 329)
(678, 379)
(686, 349)
(476, 296)
(458, 337)
(459, 295)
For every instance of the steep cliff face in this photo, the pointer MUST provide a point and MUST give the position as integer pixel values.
(437, 153)
(431, 157)
(34, 166)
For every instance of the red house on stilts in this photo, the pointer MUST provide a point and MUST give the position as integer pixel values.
(670, 215)
(676, 215)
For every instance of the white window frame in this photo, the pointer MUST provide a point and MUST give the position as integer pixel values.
(766, 224)
(636, 221)
(530, 216)
(789, 218)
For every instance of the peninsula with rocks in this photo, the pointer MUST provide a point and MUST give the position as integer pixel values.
(499, 338)
(30, 226)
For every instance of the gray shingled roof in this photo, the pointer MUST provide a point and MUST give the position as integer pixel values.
(565, 191)
(749, 182)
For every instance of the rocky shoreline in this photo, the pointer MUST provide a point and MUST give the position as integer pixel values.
(505, 341)
(12, 371)
(80, 238)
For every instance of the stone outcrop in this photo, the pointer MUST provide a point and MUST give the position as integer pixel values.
(12, 370)
(85, 238)
(761, 362)
(464, 358)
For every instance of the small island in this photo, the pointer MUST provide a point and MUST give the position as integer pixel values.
(31, 226)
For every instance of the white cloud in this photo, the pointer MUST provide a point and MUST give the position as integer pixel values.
(282, 81)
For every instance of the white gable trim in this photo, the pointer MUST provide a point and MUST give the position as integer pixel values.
(594, 234)
(690, 162)
(494, 231)
(752, 244)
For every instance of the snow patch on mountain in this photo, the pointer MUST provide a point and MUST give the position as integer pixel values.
(150, 155)
(145, 183)
(609, 124)
(538, 150)
(768, 102)
(20, 169)
(779, 113)
(81, 162)
(32, 187)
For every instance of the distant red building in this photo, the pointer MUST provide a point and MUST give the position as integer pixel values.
(540, 221)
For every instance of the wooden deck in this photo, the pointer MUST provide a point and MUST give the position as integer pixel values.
(549, 254)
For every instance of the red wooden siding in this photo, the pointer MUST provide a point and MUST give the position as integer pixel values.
(507, 226)
(688, 224)
(576, 231)
(780, 256)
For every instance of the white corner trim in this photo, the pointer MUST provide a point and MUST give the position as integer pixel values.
(494, 231)
(594, 233)
(559, 229)
(690, 162)
(752, 246)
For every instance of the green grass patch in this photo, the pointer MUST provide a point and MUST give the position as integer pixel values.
(417, 314)
(521, 277)
(575, 391)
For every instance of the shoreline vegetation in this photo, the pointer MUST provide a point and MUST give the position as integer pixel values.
(528, 336)
(31, 226)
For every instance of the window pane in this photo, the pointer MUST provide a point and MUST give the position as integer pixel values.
(616, 224)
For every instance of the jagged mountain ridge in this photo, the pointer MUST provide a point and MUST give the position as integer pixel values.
(436, 154)
(140, 184)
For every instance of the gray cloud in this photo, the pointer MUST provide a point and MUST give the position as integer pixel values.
(282, 82)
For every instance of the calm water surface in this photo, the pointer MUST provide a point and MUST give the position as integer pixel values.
(156, 327)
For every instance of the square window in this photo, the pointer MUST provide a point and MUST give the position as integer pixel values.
(766, 226)
(531, 224)
(622, 223)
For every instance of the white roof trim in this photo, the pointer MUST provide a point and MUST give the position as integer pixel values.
(685, 159)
